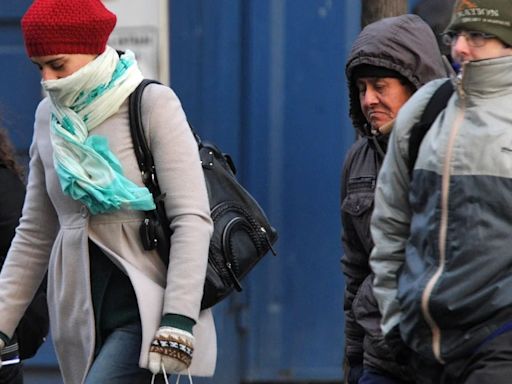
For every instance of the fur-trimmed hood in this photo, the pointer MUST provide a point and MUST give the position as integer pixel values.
(405, 44)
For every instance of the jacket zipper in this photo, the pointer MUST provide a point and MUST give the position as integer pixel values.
(443, 227)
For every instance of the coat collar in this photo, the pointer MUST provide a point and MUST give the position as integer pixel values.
(486, 77)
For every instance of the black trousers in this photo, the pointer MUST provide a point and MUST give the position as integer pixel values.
(490, 364)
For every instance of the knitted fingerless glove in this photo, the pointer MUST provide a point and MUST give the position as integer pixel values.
(172, 348)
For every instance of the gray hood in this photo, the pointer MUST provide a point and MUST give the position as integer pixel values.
(405, 44)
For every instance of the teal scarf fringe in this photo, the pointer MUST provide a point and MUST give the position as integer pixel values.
(119, 193)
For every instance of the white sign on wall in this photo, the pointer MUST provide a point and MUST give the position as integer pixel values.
(143, 27)
(143, 41)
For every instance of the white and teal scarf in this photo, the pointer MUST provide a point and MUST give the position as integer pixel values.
(88, 171)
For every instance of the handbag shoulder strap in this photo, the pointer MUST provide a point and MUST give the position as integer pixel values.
(140, 145)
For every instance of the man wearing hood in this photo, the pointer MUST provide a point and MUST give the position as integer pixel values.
(389, 61)
(443, 257)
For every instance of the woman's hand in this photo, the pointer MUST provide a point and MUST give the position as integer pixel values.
(171, 348)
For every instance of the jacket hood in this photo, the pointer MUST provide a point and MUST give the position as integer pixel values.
(405, 44)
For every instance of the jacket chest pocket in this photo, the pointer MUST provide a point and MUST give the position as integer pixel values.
(359, 198)
(358, 205)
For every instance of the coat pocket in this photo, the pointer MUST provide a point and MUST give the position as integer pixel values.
(356, 204)
(360, 194)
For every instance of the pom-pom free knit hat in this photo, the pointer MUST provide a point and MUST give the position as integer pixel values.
(52, 27)
(369, 70)
(488, 16)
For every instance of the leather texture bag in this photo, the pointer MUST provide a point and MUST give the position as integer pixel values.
(242, 234)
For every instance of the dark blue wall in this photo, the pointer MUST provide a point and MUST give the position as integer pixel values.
(265, 80)
(19, 78)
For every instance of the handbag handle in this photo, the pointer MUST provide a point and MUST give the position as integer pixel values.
(142, 151)
(177, 379)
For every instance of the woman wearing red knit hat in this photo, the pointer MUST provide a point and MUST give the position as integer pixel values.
(109, 300)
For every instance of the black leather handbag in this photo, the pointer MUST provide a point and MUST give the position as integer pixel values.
(242, 234)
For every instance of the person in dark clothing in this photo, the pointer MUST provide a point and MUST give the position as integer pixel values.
(389, 61)
(436, 14)
(12, 190)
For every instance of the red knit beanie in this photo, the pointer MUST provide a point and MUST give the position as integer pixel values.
(52, 27)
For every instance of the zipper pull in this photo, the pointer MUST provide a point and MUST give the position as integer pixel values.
(265, 234)
(459, 81)
(236, 282)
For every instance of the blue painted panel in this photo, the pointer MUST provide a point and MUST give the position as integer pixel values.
(13, 8)
(296, 318)
(293, 133)
(205, 73)
(19, 78)
(205, 67)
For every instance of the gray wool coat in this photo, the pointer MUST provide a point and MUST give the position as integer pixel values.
(54, 230)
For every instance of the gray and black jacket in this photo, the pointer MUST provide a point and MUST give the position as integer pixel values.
(406, 45)
(448, 242)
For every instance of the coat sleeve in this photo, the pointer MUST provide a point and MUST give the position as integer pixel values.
(355, 269)
(181, 177)
(390, 230)
(390, 224)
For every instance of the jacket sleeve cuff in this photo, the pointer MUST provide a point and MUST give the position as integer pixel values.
(174, 320)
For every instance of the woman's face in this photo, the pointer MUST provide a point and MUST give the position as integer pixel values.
(55, 67)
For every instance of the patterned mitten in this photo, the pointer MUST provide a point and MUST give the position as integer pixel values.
(172, 348)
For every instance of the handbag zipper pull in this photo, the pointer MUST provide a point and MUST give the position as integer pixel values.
(265, 234)
(236, 282)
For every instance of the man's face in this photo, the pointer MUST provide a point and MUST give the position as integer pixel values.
(464, 49)
(381, 98)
